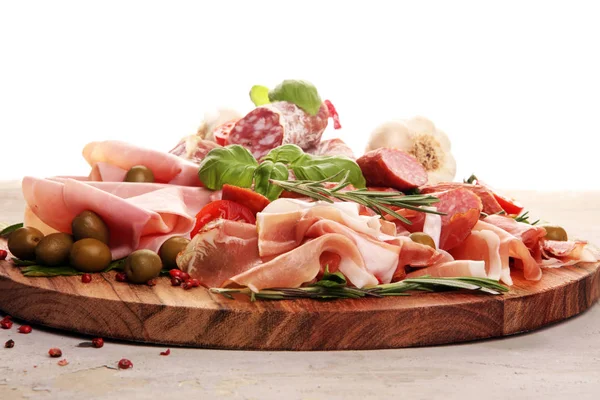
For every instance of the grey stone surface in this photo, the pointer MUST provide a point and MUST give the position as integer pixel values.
(560, 361)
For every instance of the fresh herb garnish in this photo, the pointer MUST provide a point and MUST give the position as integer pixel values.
(233, 164)
(470, 180)
(380, 202)
(10, 229)
(33, 269)
(301, 93)
(524, 217)
(328, 288)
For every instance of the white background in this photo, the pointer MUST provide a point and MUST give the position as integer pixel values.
(516, 85)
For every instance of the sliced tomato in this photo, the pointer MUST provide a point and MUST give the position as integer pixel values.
(256, 202)
(221, 132)
(511, 206)
(225, 209)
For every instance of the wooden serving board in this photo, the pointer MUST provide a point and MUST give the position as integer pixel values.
(170, 315)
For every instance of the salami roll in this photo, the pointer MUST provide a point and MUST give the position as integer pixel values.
(272, 125)
(392, 168)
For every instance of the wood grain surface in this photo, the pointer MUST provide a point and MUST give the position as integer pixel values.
(170, 315)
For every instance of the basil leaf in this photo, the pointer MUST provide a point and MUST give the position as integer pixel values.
(42, 270)
(259, 95)
(22, 263)
(233, 164)
(329, 280)
(269, 170)
(10, 229)
(286, 154)
(302, 93)
(316, 168)
(116, 264)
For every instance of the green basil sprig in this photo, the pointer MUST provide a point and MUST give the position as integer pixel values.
(301, 93)
(233, 164)
(236, 166)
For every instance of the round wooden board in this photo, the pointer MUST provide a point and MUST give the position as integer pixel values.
(168, 315)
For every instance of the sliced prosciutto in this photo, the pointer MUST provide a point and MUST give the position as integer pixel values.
(193, 148)
(332, 147)
(167, 168)
(453, 269)
(221, 250)
(482, 246)
(561, 253)
(511, 246)
(529, 234)
(302, 265)
(138, 215)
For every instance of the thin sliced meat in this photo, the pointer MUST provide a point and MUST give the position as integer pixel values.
(332, 147)
(432, 226)
(531, 235)
(302, 265)
(563, 253)
(222, 249)
(138, 215)
(462, 209)
(453, 269)
(489, 203)
(193, 148)
(415, 255)
(380, 258)
(167, 168)
(511, 246)
(105, 172)
(481, 246)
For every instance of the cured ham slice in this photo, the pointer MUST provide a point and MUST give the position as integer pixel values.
(529, 234)
(332, 147)
(380, 258)
(415, 255)
(453, 269)
(462, 209)
(221, 250)
(138, 215)
(193, 148)
(283, 223)
(562, 253)
(167, 168)
(482, 246)
(489, 203)
(511, 246)
(302, 265)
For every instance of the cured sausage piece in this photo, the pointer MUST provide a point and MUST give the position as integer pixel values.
(392, 168)
(490, 204)
(272, 125)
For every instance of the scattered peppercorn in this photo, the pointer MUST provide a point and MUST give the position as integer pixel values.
(186, 285)
(175, 273)
(121, 277)
(175, 281)
(86, 278)
(165, 353)
(55, 352)
(151, 282)
(125, 364)
(6, 324)
(25, 329)
(184, 276)
(3, 254)
(98, 342)
(9, 344)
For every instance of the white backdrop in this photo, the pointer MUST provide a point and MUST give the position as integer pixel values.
(516, 85)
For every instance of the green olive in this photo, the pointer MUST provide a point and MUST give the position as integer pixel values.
(89, 225)
(53, 250)
(90, 255)
(23, 241)
(139, 173)
(142, 266)
(555, 232)
(170, 249)
(422, 238)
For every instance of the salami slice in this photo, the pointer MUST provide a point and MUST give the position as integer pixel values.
(392, 168)
(332, 147)
(490, 205)
(272, 125)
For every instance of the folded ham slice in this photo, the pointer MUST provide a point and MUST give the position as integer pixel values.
(453, 269)
(138, 215)
(302, 265)
(562, 253)
(112, 159)
(484, 246)
(221, 250)
(529, 234)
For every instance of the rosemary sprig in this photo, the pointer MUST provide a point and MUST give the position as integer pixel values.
(525, 218)
(380, 202)
(320, 291)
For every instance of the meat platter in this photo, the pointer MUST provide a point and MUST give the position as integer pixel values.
(255, 233)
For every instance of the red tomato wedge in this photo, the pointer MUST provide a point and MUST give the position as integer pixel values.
(256, 202)
(221, 132)
(225, 209)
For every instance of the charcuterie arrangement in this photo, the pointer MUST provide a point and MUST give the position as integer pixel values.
(260, 205)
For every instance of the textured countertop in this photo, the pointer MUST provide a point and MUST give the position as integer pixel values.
(557, 362)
